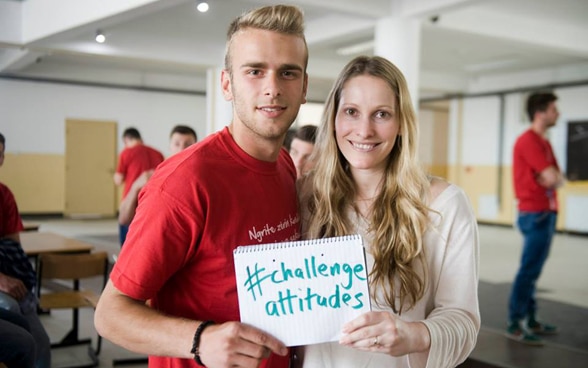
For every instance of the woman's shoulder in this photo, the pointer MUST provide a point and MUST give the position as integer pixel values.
(437, 186)
(445, 196)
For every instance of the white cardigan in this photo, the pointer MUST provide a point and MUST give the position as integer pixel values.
(449, 307)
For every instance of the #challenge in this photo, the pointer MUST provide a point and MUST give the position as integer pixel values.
(288, 290)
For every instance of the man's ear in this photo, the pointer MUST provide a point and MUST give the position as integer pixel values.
(305, 88)
(226, 85)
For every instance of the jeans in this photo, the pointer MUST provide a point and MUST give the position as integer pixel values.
(43, 344)
(537, 229)
(122, 233)
(17, 346)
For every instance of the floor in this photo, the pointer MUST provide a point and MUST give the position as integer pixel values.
(562, 290)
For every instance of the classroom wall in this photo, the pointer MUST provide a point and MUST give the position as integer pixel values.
(480, 158)
(33, 122)
(461, 140)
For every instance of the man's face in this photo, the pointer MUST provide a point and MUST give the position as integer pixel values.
(267, 83)
(550, 115)
(179, 142)
(300, 152)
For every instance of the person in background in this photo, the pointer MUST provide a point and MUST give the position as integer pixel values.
(536, 176)
(17, 277)
(301, 148)
(203, 202)
(181, 137)
(420, 233)
(134, 159)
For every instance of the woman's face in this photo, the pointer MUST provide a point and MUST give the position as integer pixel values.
(366, 123)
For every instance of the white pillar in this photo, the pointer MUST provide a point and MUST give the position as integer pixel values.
(399, 40)
(219, 112)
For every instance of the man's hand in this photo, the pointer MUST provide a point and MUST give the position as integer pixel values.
(140, 182)
(234, 344)
(13, 287)
(550, 178)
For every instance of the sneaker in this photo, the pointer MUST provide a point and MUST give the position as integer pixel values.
(517, 333)
(540, 328)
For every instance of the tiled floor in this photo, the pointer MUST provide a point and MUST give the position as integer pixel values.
(564, 280)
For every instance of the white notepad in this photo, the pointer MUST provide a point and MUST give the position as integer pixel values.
(302, 292)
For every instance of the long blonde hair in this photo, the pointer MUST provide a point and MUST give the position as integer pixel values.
(398, 218)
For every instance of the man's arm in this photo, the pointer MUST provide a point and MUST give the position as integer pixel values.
(550, 178)
(135, 326)
(118, 178)
(128, 206)
(13, 236)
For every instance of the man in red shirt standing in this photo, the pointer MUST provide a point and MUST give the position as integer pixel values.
(132, 162)
(536, 176)
(201, 203)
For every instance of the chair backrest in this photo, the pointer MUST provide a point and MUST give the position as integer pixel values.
(73, 266)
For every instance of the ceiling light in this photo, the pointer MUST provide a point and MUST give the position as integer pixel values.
(202, 6)
(100, 37)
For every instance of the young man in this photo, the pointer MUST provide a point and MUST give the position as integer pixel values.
(17, 277)
(133, 161)
(181, 137)
(536, 176)
(301, 148)
(203, 202)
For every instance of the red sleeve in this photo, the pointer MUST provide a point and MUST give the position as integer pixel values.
(10, 221)
(122, 166)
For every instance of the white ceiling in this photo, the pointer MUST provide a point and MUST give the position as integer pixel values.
(168, 44)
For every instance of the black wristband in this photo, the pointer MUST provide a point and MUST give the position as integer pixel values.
(196, 342)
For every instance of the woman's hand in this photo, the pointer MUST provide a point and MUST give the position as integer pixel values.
(385, 333)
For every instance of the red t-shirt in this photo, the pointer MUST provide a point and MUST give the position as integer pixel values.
(134, 160)
(10, 221)
(195, 210)
(533, 154)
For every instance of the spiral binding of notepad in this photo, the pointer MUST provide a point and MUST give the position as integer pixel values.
(293, 244)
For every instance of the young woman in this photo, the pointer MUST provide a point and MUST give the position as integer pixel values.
(420, 233)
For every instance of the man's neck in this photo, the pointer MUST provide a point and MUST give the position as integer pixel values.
(539, 128)
(255, 146)
(133, 143)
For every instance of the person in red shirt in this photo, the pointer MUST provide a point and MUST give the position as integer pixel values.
(135, 159)
(203, 202)
(536, 176)
(181, 137)
(17, 278)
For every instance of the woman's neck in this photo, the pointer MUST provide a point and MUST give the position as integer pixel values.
(367, 188)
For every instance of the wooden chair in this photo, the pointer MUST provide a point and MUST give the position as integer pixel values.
(73, 268)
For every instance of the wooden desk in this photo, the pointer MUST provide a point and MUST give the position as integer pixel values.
(36, 243)
(30, 226)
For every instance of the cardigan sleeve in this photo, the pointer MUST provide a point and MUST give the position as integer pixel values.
(454, 321)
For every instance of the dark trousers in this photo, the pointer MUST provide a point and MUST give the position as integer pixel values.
(17, 345)
(537, 229)
(122, 233)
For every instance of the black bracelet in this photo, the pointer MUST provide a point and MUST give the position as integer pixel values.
(196, 342)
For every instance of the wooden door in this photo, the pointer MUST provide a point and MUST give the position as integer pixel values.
(90, 158)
